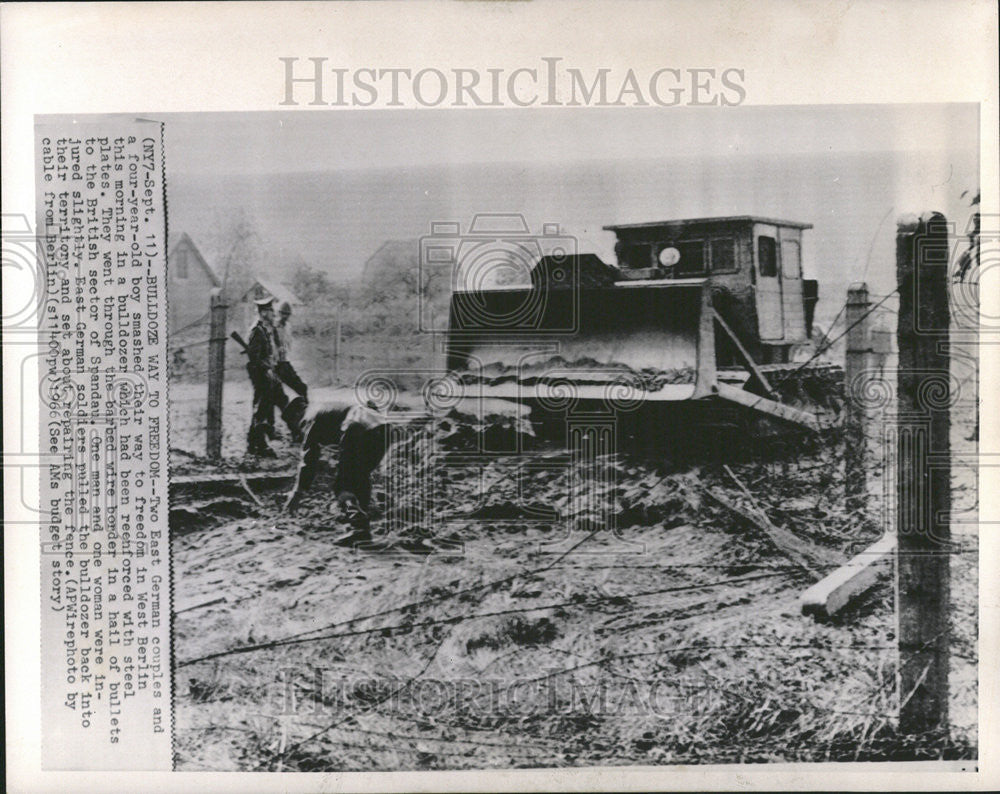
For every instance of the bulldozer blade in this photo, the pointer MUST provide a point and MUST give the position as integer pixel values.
(654, 339)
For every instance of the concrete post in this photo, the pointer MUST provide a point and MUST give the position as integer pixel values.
(855, 421)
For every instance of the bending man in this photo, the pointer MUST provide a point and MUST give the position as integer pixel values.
(361, 434)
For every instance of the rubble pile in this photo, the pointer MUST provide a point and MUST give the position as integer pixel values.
(467, 469)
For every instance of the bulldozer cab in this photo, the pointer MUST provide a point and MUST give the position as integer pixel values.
(753, 266)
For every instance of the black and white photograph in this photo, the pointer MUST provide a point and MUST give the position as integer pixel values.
(500, 396)
(557, 440)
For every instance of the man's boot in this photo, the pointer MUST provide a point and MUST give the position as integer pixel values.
(358, 520)
(257, 443)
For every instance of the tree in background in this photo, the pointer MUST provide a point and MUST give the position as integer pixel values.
(325, 302)
(311, 285)
(236, 252)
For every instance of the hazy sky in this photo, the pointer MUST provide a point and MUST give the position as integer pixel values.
(271, 143)
(330, 186)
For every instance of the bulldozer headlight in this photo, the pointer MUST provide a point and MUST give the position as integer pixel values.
(669, 257)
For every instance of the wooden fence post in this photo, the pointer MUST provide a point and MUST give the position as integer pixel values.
(216, 373)
(856, 361)
(923, 498)
(336, 355)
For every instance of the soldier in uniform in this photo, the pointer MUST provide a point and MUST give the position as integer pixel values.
(260, 366)
(361, 434)
(267, 390)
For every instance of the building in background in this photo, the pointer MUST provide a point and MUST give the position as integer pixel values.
(190, 280)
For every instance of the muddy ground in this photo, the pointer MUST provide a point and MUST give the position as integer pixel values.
(495, 622)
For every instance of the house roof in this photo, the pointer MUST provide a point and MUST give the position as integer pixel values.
(183, 241)
(388, 248)
(279, 292)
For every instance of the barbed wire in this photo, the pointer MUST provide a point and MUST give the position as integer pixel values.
(292, 639)
(351, 717)
(200, 321)
(189, 345)
(830, 342)
(206, 372)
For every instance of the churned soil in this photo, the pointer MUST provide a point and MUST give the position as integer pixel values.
(535, 608)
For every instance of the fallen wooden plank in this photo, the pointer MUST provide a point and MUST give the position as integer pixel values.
(237, 483)
(770, 407)
(783, 540)
(829, 595)
(246, 487)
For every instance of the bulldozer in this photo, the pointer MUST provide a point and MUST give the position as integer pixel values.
(696, 312)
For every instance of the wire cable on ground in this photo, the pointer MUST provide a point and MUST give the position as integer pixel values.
(351, 717)
(408, 627)
(436, 599)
